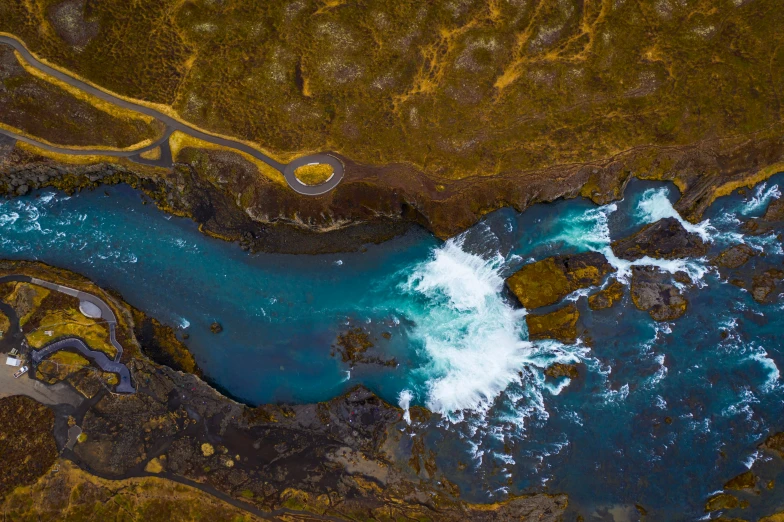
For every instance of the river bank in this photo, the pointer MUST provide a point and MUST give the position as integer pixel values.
(224, 194)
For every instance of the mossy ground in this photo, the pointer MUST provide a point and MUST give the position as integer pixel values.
(60, 366)
(457, 89)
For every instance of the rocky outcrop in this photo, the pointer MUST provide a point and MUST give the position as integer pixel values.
(560, 325)
(558, 370)
(548, 281)
(664, 239)
(735, 256)
(651, 292)
(606, 297)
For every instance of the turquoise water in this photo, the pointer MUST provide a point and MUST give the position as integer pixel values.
(459, 344)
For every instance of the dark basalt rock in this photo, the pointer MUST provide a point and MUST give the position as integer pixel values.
(664, 239)
(559, 325)
(652, 293)
(216, 327)
(735, 256)
(548, 281)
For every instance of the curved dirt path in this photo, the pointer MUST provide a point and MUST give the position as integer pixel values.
(172, 125)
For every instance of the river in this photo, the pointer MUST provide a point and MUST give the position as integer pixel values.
(454, 341)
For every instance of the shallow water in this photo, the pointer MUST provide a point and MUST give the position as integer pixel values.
(459, 342)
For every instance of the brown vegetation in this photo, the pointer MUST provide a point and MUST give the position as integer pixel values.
(27, 446)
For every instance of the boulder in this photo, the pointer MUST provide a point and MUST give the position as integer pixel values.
(652, 293)
(735, 256)
(558, 370)
(548, 281)
(560, 325)
(665, 239)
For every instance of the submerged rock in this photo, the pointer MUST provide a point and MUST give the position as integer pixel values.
(216, 327)
(548, 281)
(606, 297)
(665, 239)
(651, 293)
(353, 344)
(723, 501)
(746, 480)
(775, 443)
(735, 256)
(764, 284)
(559, 325)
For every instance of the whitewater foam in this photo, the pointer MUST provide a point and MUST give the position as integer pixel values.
(655, 205)
(770, 367)
(759, 201)
(404, 401)
(591, 231)
(475, 343)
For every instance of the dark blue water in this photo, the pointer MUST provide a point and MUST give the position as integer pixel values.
(459, 344)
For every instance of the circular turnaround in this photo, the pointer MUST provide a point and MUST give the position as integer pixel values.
(90, 310)
(314, 190)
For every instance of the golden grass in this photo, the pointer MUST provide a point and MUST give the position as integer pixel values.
(180, 140)
(69, 359)
(135, 146)
(314, 174)
(85, 159)
(152, 154)
(71, 322)
(59, 366)
(140, 498)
